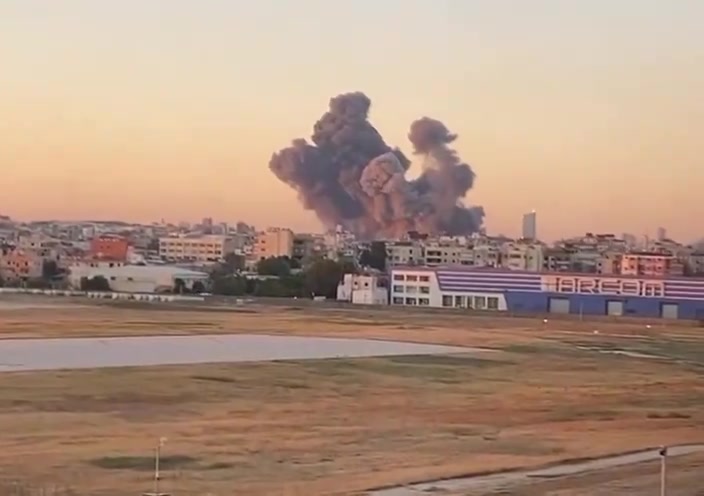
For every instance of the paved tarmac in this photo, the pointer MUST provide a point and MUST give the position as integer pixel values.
(505, 480)
(81, 353)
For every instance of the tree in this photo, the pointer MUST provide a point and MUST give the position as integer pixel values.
(179, 286)
(274, 266)
(229, 286)
(375, 256)
(97, 283)
(322, 278)
(198, 287)
(233, 262)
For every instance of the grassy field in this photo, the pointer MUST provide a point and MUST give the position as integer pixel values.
(551, 392)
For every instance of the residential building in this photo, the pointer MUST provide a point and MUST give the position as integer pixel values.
(650, 264)
(557, 260)
(17, 264)
(694, 263)
(274, 242)
(404, 253)
(452, 253)
(109, 247)
(522, 256)
(530, 226)
(609, 263)
(207, 248)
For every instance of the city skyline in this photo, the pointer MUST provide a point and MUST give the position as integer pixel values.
(586, 113)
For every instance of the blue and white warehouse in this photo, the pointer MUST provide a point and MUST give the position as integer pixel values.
(525, 292)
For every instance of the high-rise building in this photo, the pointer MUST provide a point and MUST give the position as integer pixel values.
(662, 234)
(530, 225)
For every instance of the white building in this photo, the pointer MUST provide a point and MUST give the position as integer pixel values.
(137, 278)
(207, 248)
(420, 287)
(363, 289)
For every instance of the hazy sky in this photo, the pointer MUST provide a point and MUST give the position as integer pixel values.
(590, 111)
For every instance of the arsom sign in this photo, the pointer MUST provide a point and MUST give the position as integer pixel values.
(603, 286)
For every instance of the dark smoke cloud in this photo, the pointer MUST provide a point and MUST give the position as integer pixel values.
(351, 177)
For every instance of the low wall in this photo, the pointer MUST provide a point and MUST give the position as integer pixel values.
(103, 295)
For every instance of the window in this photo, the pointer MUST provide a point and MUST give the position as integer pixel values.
(424, 301)
(398, 289)
(480, 302)
(398, 301)
(411, 278)
(492, 303)
(424, 290)
(398, 277)
(447, 301)
(459, 301)
(411, 289)
(424, 278)
(410, 301)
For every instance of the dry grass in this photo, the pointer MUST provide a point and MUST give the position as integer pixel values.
(337, 426)
(343, 426)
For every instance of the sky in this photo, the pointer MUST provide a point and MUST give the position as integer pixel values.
(589, 111)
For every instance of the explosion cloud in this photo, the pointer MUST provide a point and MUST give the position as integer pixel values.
(349, 176)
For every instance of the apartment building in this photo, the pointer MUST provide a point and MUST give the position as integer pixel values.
(207, 248)
(19, 264)
(447, 254)
(274, 242)
(650, 264)
(109, 248)
(522, 256)
(404, 253)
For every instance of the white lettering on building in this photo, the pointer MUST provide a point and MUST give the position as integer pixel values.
(604, 286)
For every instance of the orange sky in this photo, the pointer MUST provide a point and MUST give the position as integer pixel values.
(591, 115)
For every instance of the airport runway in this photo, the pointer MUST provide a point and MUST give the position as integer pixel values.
(506, 480)
(82, 353)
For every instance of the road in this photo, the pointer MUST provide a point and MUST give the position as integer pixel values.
(505, 480)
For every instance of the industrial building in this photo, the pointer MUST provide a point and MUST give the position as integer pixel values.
(137, 278)
(540, 292)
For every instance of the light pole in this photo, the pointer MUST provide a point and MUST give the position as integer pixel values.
(663, 470)
(157, 474)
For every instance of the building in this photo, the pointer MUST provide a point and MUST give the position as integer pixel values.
(274, 242)
(18, 265)
(522, 256)
(662, 234)
(534, 292)
(138, 278)
(109, 248)
(404, 253)
(530, 226)
(206, 249)
(650, 264)
(363, 289)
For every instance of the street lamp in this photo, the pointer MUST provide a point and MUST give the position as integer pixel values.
(157, 474)
(663, 470)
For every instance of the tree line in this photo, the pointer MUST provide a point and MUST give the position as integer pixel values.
(280, 277)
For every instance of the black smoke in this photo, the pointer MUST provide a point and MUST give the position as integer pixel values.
(349, 176)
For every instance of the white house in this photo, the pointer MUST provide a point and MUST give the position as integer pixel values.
(363, 289)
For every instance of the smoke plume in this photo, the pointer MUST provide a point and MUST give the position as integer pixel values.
(349, 176)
